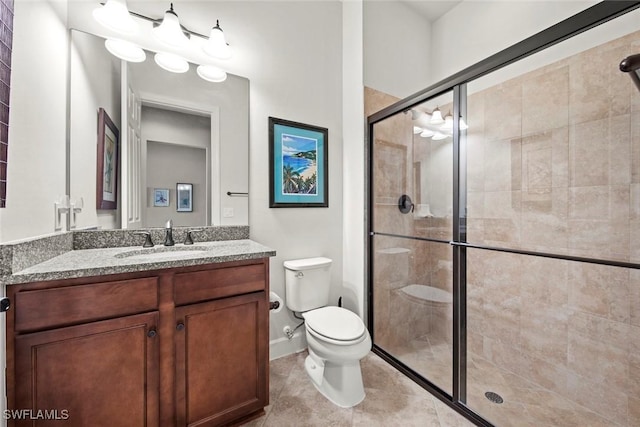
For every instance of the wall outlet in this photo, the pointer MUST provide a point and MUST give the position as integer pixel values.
(227, 212)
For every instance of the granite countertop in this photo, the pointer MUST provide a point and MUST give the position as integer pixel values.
(96, 262)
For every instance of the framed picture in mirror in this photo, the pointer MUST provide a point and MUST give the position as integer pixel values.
(184, 197)
(298, 165)
(161, 197)
(107, 166)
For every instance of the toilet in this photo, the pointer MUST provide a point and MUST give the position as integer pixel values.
(337, 338)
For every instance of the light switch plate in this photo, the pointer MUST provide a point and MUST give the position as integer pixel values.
(227, 212)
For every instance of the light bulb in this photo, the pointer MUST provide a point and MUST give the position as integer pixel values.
(211, 73)
(125, 50)
(438, 136)
(171, 62)
(417, 130)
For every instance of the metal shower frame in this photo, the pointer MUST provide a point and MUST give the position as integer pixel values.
(579, 23)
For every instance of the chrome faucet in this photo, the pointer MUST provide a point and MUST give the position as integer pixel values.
(168, 238)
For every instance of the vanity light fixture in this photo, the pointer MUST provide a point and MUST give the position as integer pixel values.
(171, 62)
(427, 133)
(417, 130)
(115, 16)
(125, 50)
(211, 73)
(170, 31)
(217, 46)
(436, 117)
(447, 126)
(438, 136)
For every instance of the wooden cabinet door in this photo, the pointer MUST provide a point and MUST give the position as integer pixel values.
(98, 374)
(222, 359)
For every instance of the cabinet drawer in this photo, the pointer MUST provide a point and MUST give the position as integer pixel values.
(210, 284)
(48, 308)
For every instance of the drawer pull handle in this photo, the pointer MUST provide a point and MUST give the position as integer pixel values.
(152, 333)
(180, 326)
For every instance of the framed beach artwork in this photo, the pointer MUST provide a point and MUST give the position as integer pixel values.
(184, 197)
(298, 165)
(107, 166)
(161, 197)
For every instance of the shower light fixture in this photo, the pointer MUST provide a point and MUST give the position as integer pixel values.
(115, 16)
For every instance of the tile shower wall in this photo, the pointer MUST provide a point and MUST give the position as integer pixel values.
(554, 166)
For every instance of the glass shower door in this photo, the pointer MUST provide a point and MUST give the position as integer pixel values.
(411, 227)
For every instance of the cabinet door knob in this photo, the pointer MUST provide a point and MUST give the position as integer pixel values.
(180, 326)
(152, 333)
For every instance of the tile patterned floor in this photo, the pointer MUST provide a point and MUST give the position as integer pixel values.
(392, 400)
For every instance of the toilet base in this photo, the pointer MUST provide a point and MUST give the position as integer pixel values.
(340, 383)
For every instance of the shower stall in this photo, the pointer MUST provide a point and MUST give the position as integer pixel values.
(504, 230)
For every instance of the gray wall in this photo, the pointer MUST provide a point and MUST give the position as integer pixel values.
(168, 164)
(177, 149)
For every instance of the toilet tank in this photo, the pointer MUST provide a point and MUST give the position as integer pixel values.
(307, 283)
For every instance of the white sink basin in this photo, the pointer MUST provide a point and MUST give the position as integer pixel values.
(163, 253)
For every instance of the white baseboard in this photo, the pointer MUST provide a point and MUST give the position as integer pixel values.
(283, 346)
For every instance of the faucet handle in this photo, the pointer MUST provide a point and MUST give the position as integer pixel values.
(148, 243)
(188, 240)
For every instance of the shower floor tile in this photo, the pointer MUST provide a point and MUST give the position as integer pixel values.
(525, 404)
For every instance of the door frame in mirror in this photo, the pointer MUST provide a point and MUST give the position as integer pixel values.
(213, 187)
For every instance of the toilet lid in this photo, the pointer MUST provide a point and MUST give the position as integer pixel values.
(335, 322)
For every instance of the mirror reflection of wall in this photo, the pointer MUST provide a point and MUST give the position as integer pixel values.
(177, 151)
(95, 83)
(99, 80)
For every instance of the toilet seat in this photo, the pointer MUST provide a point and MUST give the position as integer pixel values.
(336, 325)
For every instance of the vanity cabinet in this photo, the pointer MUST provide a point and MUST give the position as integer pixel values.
(179, 346)
(219, 352)
(99, 374)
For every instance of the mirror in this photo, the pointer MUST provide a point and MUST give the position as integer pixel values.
(173, 129)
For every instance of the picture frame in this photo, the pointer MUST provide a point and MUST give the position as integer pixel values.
(107, 162)
(161, 197)
(298, 165)
(184, 197)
